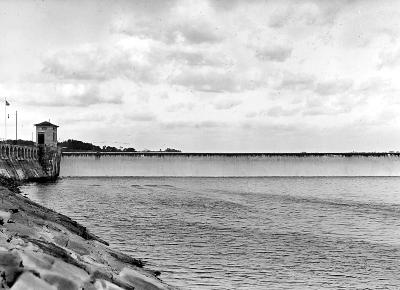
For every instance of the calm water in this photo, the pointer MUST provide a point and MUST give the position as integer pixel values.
(245, 233)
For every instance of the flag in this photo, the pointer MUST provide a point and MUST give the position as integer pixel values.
(7, 103)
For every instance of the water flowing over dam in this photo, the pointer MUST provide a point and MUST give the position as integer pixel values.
(229, 164)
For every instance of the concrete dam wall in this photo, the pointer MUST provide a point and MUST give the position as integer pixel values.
(229, 164)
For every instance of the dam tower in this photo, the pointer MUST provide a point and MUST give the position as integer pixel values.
(49, 154)
(46, 134)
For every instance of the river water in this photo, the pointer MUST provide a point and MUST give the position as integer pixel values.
(244, 232)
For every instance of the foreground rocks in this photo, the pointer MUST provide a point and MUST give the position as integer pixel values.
(41, 249)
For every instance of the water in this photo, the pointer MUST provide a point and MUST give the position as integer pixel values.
(244, 233)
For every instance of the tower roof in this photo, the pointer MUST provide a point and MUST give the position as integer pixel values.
(45, 123)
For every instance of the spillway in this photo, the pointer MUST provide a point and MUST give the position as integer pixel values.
(229, 164)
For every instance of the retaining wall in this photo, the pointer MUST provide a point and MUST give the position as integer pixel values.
(25, 163)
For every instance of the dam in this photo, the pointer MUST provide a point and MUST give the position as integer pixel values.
(228, 164)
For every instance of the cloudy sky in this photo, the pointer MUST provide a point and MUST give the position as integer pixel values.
(206, 75)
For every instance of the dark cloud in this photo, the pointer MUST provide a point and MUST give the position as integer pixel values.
(198, 33)
(198, 58)
(309, 13)
(224, 4)
(333, 87)
(274, 53)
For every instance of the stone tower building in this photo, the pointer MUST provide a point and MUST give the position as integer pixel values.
(46, 134)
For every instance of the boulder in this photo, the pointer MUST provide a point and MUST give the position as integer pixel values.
(70, 271)
(28, 281)
(60, 282)
(35, 260)
(140, 281)
(10, 268)
(106, 285)
(4, 217)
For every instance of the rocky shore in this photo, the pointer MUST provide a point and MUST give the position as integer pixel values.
(42, 249)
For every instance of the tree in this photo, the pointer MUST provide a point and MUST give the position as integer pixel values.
(172, 150)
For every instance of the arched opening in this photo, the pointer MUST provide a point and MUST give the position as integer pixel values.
(7, 152)
(3, 152)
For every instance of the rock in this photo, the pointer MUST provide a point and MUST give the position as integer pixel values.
(28, 281)
(9, 259)
(79, 247)
(54, 250)
(61, 240)
(34, 261)
(105, 285)
(140, 281)
(126, 259)
(4, 217)
(101, 274)
(70, 271)
(10, 267)
(156, 273)
(60, 282)
(88, 285)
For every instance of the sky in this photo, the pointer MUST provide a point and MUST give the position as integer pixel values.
(205, 76)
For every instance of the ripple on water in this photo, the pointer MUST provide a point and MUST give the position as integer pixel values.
(245, 233)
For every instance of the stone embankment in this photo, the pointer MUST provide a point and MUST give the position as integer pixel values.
(20, 162)
(42, 249)
(29, 162)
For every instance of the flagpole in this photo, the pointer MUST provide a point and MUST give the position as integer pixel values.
(16, 126)
(5, 119)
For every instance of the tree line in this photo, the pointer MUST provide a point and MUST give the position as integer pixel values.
(72, 145)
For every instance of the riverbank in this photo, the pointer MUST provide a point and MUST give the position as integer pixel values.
(42, 249)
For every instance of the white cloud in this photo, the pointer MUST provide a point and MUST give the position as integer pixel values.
(389, 59)
(227, 104)
(296, 82)
(66, 94)
(91, 62)
(207, 81)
